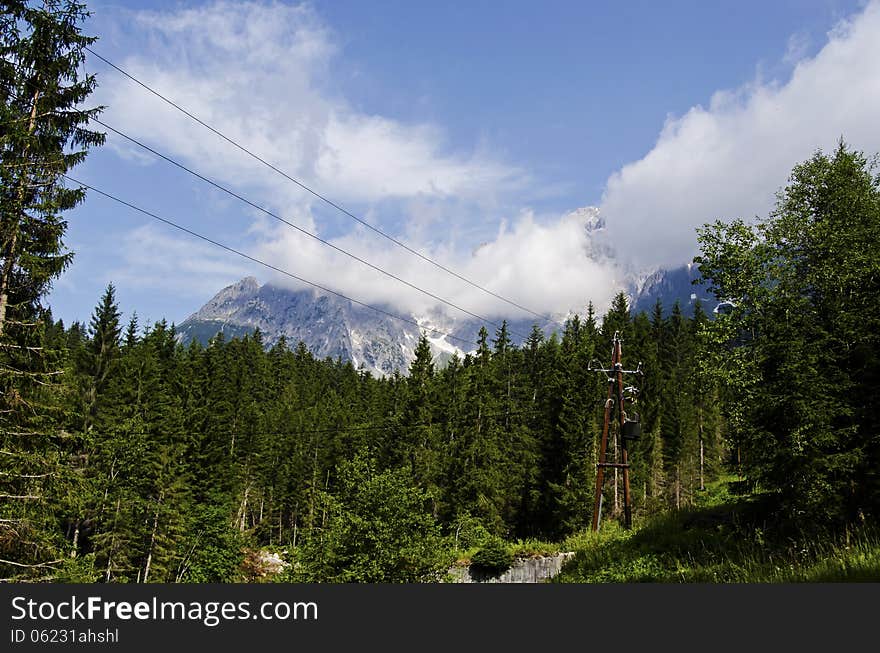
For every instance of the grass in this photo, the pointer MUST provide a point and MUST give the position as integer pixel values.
(520, 549)
(725, 538)
(532, 548)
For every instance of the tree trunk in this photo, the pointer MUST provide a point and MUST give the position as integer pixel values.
(677, 487)
(702, 485)
(9, 254)
(112, 544)
(738, 463)
(242, 508)
(152, 540)
(311, 521)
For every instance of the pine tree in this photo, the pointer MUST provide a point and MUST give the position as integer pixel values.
(98, 358)
(479, 454)
(43, 137)
(678, 422)
(643, 480)
(94, 369)
(420, 443)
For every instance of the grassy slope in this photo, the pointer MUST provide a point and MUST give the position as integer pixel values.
(725, 539)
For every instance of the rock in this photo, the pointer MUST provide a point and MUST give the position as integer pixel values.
(537, 569)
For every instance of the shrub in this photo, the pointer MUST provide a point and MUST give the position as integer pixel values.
(493, 558)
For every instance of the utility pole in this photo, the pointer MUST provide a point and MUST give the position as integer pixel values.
(629, 429)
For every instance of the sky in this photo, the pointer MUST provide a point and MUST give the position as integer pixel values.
(471, 131)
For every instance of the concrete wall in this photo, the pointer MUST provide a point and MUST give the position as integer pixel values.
(527, 570)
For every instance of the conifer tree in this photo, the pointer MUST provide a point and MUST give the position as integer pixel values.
(419, 444)
(98, 358)
(44, 135)
(677, 422)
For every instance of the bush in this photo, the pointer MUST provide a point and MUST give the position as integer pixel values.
(379, 529)
(493, 558)
(467, 532)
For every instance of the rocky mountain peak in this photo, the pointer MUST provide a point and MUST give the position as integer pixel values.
(331, 327)
(589, 216)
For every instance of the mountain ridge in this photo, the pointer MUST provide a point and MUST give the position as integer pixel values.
(333, 327)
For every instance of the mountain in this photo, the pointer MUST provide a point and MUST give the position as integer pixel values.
(669, 286)
(645, 287)
(334, 327)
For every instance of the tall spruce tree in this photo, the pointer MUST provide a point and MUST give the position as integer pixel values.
(44, 135)
(98, 358)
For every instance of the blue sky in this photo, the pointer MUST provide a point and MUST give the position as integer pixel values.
(469, 129)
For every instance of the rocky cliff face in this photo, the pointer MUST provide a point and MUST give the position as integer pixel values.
(669, 286)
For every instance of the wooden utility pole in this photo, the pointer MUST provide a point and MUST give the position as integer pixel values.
(629, 430)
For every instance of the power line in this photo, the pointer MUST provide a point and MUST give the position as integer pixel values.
(318, 195)
(263, 263)
(294, 226)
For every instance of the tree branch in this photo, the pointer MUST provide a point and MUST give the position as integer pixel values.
(39, 564)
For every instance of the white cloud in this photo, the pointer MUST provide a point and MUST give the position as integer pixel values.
(545, 267)
(153, 257)
(258, 73)
(728, 159)
(254, 71)
(796, 48)
(379, 158)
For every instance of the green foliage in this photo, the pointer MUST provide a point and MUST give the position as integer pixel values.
(727, 543)
(214, 550)
(493, 558)
(77, 570)
(468, 533)
(530, 548)
(378, 530)
(44, 134)
(166, 463)
(197, 454)
(42, 49)
(96, 361)
(797, 355)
